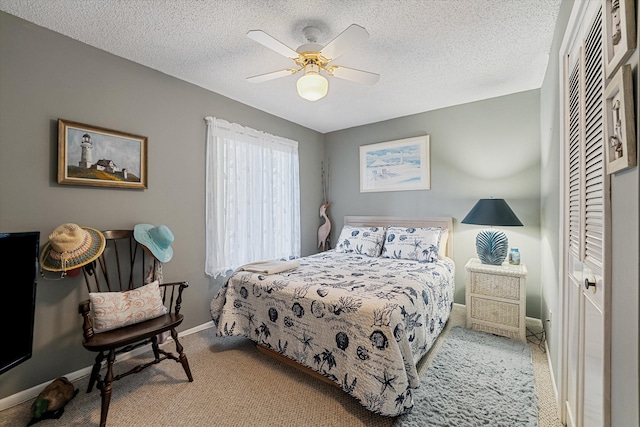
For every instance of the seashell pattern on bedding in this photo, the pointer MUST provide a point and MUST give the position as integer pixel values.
(363, 322)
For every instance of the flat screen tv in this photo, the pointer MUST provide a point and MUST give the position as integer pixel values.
(19, 256)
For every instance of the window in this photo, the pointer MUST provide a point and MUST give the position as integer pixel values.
(252, 197)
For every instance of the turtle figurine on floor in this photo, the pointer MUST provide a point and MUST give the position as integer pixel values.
(51, 401)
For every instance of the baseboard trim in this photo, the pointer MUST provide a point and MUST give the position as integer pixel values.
(198, 328)
(25, 395)
(556, 395)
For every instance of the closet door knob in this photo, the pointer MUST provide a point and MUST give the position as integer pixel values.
(589, 283)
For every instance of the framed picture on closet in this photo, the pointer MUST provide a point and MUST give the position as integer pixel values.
(619, 33)
(619, 122)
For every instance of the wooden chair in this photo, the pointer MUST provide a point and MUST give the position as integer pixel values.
(123, 266)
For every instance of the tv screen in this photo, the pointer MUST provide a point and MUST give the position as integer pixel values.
(19, 255)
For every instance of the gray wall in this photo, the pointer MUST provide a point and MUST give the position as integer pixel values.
(478, 150)
(45, 76)
(551, 146)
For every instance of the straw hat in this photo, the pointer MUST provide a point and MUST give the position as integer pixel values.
(157, 240)
(71, 246)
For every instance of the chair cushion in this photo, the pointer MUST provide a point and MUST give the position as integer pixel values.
(111, 310)
(132, 334)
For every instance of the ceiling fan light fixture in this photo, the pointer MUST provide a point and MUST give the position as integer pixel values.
(312, 86)
(310, 58)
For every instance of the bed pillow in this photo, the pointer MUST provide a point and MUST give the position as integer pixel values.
(418, 244)
(112, 310)
(361, 240)
(442, 247)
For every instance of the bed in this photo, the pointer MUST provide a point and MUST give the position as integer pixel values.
(360, 315)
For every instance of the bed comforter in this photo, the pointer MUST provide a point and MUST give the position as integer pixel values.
(364, 322)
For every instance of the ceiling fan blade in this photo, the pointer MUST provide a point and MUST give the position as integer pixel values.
(354, 75)
(352, 36)
(271, 76)
(273, 44)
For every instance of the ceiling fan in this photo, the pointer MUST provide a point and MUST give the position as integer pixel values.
(312, 58)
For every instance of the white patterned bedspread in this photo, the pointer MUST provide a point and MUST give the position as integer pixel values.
(363, 322)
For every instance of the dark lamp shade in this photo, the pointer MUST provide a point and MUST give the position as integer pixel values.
(492, 212)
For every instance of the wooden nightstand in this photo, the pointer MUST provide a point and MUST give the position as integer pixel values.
(496, 298)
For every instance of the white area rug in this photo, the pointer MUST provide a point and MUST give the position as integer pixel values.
(476, 379)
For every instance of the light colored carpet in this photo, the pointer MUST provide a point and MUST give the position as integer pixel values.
(476, 379)
(236, 385)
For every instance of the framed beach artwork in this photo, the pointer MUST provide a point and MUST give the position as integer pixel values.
(619, 122)
(95, 156)
(399, 165)
(619, 33)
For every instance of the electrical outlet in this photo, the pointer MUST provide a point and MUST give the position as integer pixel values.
(549, 317)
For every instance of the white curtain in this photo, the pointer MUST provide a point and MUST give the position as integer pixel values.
(252, 197)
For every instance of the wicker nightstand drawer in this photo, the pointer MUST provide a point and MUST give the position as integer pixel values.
(496, 286)
(495, 311)
(496, 298)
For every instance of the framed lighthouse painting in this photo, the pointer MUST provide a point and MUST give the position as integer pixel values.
(99, 157)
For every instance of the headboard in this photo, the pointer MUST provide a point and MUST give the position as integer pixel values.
(385, 221)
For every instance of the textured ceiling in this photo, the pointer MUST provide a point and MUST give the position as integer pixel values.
(429, 53)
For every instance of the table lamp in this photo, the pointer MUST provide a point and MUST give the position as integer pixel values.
(492, 245)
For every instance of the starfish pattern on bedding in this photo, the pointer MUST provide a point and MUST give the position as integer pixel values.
(306, 341)
(386, 381)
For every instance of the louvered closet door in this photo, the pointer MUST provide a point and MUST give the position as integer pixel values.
(586, 207)
(573, 209)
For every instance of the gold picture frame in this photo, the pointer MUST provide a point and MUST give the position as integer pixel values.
(619, 122)
(100, 157)
(619, 33)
